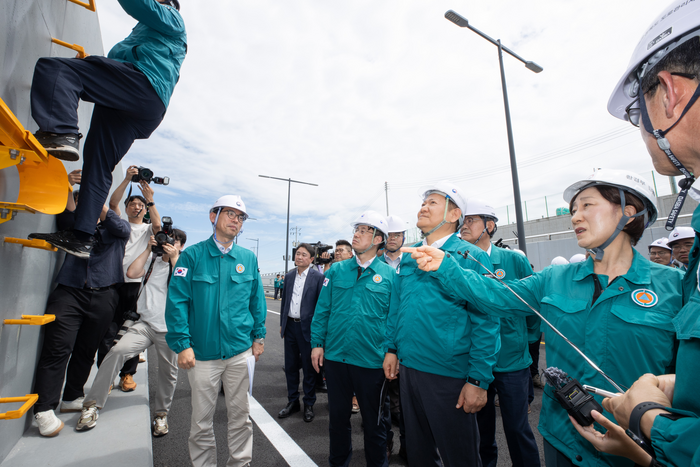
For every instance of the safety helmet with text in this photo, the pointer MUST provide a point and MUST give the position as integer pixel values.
(680, 233)
(451, 192)
(660, 243)
(478, 207)
(624, 181)
(229, 201)
(375, 220)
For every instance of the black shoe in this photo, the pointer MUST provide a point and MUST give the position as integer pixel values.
(308, 413)
(322, 387)
(66, 240)
(62, 146)
(292, 407)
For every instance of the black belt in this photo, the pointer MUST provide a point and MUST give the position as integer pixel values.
(296, 320)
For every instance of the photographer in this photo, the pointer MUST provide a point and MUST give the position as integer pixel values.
(148, 329)
(135, 208)
(343, 251)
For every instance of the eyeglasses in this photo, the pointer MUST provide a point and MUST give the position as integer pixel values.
(468, 221)
(634, 113)
(396, 235)
(659, 253)
(363, 230)
(682, 246)
(232, 215)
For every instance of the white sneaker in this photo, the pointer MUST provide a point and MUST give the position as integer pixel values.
(88, 419)
(49, 424)
(72, 406)
(160, 424)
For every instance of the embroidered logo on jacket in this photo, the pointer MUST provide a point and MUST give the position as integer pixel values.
(180, 272)
(645, 298)
(500, 273)
(377, 278)
(240, 268)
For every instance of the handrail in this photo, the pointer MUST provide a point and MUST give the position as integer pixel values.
(29, 400)
(33, 243)
(33, 320)
(90, 6)
(78, 48)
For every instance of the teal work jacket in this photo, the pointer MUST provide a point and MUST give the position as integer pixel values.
(157, 45)
(350, 317)
(515, 351)
(678, 442)
(434, 332)
(627, 332)
(216, 303)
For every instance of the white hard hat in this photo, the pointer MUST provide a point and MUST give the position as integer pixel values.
(396, 224)
(373, 219)
(477, 207)
(628, 181)
(680, 233)
(666, 32)
(230, 201)
(520, 252)
(661, 243)
(558, 261)
(449, 190)
(577, 258)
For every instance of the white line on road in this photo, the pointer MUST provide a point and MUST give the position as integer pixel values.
(279, 438)
(275, 312)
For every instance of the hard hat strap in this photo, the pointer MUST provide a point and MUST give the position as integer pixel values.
(402, 242)
(665, 146)
(374, 233)
(598, 252)
(444, 219)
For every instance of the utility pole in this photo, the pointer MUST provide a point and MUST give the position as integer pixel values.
(296, 231)
(386, 191)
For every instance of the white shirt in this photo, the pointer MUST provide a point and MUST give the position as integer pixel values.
(394, 263)
(222, 248)
(151, 304)
(366, 264)
(488, 252)
(138, 240)
(295, 305)
(437, 243)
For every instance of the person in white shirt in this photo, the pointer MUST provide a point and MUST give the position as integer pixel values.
(150, 329)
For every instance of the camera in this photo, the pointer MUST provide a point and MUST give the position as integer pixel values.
(321, 248)
(164, 236)
(572, 396)
(146, 175)
(130, 317)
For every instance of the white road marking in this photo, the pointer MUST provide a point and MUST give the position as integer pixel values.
(279, 438)
(275, 312)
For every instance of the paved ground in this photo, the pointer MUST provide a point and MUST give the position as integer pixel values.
(271, 393)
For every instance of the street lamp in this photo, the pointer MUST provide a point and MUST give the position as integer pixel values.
(532, 66)
(289, 192)
(257, 247)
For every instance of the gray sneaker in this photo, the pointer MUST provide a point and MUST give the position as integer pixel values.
(160, 424)
(49, 424)
(537, 381)
(88, 419)
(62, 146)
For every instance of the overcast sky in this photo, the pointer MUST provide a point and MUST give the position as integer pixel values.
(352, 94)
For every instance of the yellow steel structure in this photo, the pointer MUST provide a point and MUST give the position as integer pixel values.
(90, 5)
(33, 243)
(78, 48)
(29, 400)
(43, 182)
(33, 320)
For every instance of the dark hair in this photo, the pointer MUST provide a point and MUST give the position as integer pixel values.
(174, 3)
(180, 235)
(612, 194)
(684, 59)
(343, 243)
(309, 248)
(133, 197)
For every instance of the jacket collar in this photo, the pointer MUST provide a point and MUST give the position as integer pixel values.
(639, 272)
(214, 250)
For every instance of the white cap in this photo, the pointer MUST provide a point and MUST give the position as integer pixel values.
(373, 219)
(661, 243)
(396, 224)
(449, 190)
(680, 233)
(230, 201)
(558, 261)
(577, 258)
(628, 181)
(678, 19)
(477, 207)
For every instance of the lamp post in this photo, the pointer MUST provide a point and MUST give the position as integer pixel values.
(532, 66)
(289, 192)
(257, 246)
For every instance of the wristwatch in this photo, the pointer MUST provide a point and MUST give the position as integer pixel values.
(148, 205)
(259, 341)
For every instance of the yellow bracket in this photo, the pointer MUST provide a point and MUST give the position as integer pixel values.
(35, 320)
(33, 243)
(29, 400)
(76, 47)
(90, 6)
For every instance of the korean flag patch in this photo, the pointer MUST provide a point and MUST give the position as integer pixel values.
(325, 282)
(180, 272)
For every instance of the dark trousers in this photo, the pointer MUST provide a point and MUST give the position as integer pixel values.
(534, 349)
(297, 355)
(128, 293)
(395, 409)
(127, 108)
(82, 318)
(344, 380)
(513, 389)
(277, 291)
(433, 423)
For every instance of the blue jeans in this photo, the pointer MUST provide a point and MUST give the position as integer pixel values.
(513, 388)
